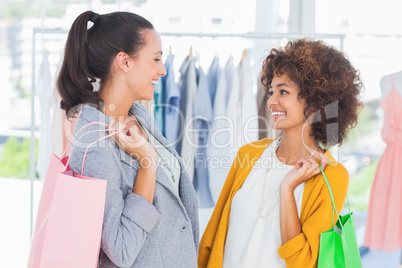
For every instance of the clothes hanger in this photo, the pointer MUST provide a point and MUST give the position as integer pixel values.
(190, 53)
(243, 55)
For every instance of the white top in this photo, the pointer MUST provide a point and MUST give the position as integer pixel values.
(167, 161)
(254, 234)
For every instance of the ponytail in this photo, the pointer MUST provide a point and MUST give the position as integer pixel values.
(74, 83)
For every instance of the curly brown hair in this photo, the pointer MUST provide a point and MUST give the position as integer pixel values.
(327, 82)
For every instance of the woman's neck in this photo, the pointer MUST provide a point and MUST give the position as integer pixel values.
(116, 104)
(294, 146)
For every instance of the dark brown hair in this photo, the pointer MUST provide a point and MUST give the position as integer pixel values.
(327, 82)
(89, 53)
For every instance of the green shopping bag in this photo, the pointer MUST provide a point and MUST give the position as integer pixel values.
(338, 246)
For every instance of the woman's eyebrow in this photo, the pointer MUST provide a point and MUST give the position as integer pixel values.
(282, 84)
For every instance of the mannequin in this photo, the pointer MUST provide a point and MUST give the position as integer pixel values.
(385, 208)
(386, 84)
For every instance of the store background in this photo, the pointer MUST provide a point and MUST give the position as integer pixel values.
(369, 32)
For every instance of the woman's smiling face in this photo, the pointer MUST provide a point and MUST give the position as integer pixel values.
(287, 110)
(147, 67)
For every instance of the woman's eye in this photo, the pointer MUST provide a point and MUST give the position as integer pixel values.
(284, 92)
(270, 93)
(157, 60)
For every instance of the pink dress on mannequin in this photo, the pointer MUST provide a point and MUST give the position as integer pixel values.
(384, 221)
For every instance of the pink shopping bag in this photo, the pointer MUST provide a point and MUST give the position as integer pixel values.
(69, 220)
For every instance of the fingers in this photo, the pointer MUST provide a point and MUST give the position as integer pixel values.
(135, 133)
(124, 137)
(308, 168)
(304, 166)
(315, 169)
(299, 164)
(113, 127)
(312, 164)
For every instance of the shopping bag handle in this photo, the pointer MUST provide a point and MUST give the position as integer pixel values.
(78, 131)
(114, 131)
(334, 208)
(332, 198)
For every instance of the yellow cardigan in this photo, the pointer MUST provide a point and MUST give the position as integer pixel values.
(315, 216)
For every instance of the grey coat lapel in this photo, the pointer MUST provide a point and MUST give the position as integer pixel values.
(145, 119)
(187, 197)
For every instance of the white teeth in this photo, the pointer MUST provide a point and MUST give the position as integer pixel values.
(278, 113)
(154, 82)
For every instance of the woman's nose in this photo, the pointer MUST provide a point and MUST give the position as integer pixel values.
(272, 100)
(162, 71)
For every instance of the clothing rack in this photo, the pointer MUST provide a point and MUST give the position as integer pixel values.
(37, 31)
(341, 37)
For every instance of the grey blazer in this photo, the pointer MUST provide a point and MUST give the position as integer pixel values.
(135, 232)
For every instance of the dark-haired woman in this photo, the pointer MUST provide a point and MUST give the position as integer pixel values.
(151, 211)
(275, 203)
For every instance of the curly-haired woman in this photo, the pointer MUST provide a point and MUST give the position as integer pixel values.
(275, 203)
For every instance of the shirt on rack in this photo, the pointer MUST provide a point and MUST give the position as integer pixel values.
(188, 89)
(213, 77)
(233, 107)
(171, 104)
(202, 124)
(158, 108)
(249, 111)
(219, 161)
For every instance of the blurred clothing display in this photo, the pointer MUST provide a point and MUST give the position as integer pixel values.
(202, 124)
(233, 104)
(384, 221)
(215, 78)
(188, 90)
(217, 87)
(219, 148)
(249, 129)
(209, 117)
(171, 104)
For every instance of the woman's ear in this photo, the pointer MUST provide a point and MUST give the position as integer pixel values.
(122, 61)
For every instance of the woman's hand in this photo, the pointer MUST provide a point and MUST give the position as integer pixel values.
(303, 171)
(130, 140)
